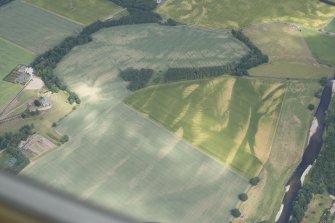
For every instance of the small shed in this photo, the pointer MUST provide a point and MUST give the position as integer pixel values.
(29, 70)
(22, 69)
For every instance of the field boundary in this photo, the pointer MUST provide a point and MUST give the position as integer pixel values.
(17, 45)
(110, 17)
(279, 118)
(186, 141)
(53, 13)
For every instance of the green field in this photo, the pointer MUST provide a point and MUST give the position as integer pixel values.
(120, 159)
(11, 56)
(288, 146)
(288, 52)
(316, 207)
(284, 69)
(33, 28)
(321, 45)
(242, 13)
(233, 119)
(160, 47)
(82, 11)
(331, 26)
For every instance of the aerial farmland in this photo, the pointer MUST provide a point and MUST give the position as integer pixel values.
(33, 28)
(173, 111)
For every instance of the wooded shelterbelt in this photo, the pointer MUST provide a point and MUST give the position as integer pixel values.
(138, 78)
(253, 58)
(322, 176)
(3, 2)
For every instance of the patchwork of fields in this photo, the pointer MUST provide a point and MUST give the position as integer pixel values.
(160, 47)
(179, 152)
(233, 119)
(241, 13)
(11, 55)
(288, 146)
(288, 52)
(321, 45)
(33, 28)
(82, 11)
(120, 159)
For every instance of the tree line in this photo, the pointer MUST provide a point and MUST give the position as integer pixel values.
(138, 4)
(4, 2)
(322, 176)
(193, 73)
(139, 13)
(253, 58)
(328, 2)
(9, 142)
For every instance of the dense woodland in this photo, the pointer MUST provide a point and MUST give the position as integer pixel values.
(12, 140)
(9, 142)
(3, 2)
(137, 78)
(322, 175)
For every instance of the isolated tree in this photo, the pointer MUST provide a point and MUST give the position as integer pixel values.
(311, 107)
(37, 103)
(243, 197)
(254, 181)
(235, 213)
(64, 139)
(54, 124)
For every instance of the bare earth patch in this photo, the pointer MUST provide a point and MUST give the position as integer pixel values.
(35, 84)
